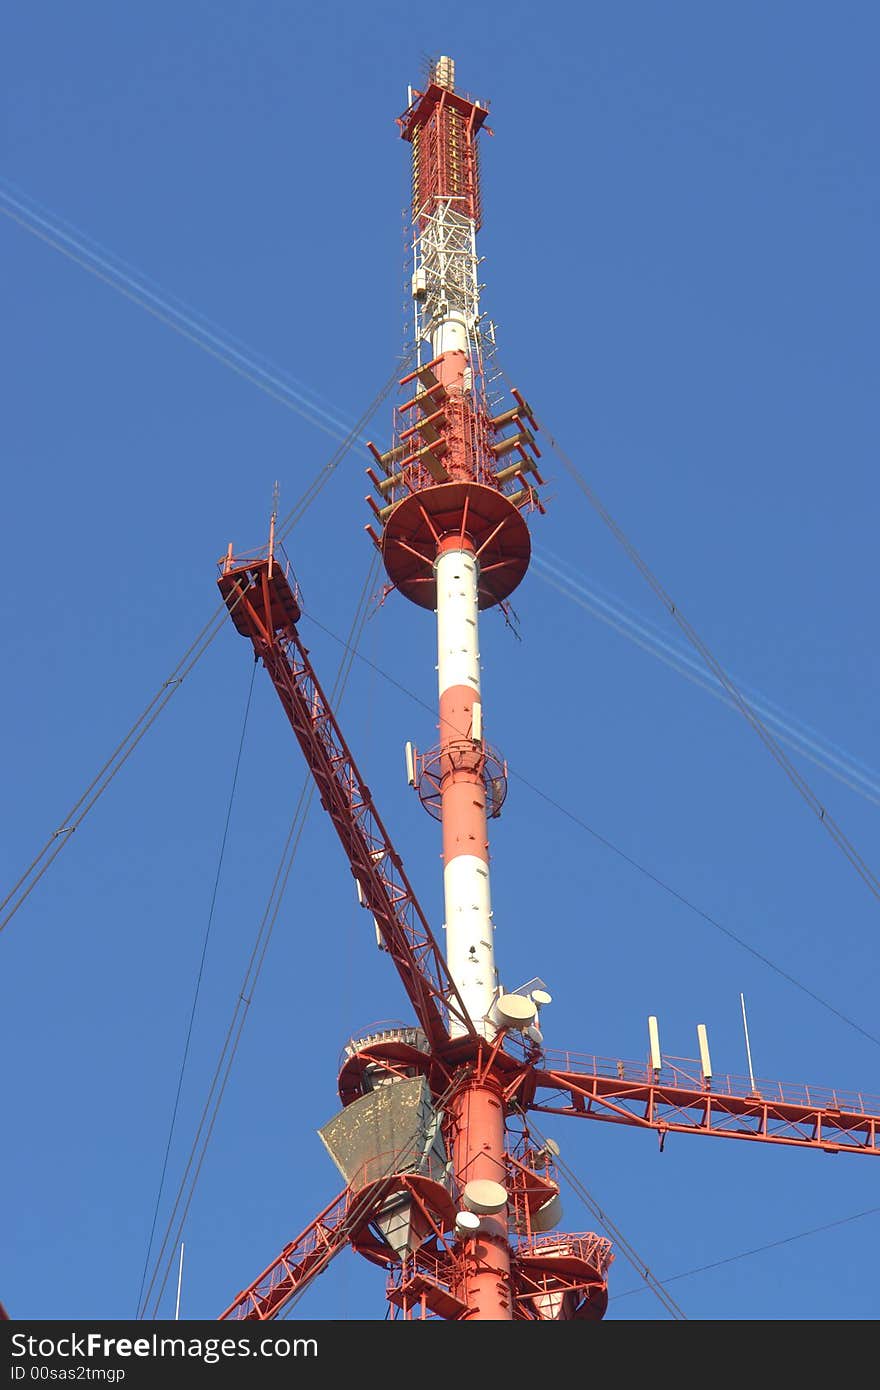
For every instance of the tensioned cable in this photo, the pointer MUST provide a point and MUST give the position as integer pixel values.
(201, 969)
(686, 902)
(245, 994)
(172, 319)
(219, 345)
(255, 964)
(142, 297)
(627, 858)
(61, 836)
(294, 515)
(759, 1249)
(165, 315)
(614, 606)
(22, 888)
(642, 1269)
(53, 846)
(797, 779)
(217, 1088)
(306, 402)
(133, 276)
(241, 1008)
(837, 762)
(25, 884)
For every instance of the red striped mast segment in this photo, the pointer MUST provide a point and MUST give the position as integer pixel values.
(453, 537)
(457, 1203)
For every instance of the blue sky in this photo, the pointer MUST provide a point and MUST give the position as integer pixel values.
(681, 207)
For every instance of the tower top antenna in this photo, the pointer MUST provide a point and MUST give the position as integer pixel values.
(443, 73)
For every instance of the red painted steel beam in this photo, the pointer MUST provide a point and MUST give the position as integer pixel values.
(678, 1100)
(385, 888)
(299, 1262)
(345, 1221)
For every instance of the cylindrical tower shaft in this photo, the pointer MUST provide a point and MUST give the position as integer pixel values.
(478, 1111)
(478, 1118)
(454, 538)
(470, 950)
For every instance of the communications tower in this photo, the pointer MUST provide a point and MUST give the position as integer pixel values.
(445, 1187)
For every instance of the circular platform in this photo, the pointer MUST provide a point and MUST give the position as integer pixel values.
(496, 527)
(402, 1054)
(459, 753)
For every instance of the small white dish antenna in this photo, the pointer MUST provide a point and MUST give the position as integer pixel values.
(467, 1223)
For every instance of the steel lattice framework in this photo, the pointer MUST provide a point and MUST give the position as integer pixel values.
(265, 607)
(679, 1098)
(445, 1187)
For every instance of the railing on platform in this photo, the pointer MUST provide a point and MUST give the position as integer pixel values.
(684, 1073)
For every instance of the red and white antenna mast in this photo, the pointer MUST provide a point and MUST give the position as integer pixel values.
(454, 539)
(445, 1188)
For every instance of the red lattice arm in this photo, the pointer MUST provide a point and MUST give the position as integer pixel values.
(679, 1099)
(265, 608)
(300, 1261)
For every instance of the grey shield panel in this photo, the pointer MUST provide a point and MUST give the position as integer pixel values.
(394, 1129)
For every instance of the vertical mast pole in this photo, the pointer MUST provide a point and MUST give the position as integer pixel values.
(478, 1111)
(454, 539)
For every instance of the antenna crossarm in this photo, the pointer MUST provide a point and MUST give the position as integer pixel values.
(678, 1099)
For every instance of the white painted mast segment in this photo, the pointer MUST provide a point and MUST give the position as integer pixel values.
(470, 946)
(458, 655)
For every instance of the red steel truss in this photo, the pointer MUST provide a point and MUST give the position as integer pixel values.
(457, 484)
(346, 1221)
(298, 1262)
(563, 1277)
(679, 1099)
(556, 1276)
(265, 608)
(441, 126)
